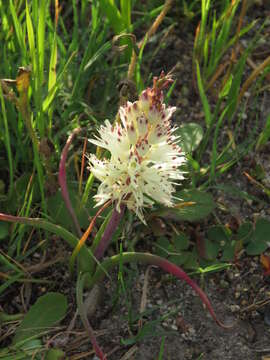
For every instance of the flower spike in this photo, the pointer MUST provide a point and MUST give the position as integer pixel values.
(145, 155)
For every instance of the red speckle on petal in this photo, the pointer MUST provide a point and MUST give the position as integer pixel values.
(145, 95)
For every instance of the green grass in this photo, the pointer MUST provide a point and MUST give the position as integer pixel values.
(74, 57)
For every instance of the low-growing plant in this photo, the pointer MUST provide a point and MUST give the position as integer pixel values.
(223, 241)
(146, 167)
(141, 162)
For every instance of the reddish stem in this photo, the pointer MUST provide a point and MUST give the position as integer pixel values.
(164, 264)
(181, 274)
(62, 179)
(109, 231)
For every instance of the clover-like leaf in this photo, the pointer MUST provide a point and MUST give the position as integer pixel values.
(260, 239)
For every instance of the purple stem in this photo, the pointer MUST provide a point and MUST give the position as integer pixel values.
(164, 264)
(109, 231)
(181, 274)
(62, 179)
(92, 337)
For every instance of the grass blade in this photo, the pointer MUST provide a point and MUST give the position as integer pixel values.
(206, 107)
(6, 138)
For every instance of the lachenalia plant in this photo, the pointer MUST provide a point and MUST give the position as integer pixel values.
(140, 166)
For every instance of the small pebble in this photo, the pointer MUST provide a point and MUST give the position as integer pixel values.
(224, 284)
(234, 308)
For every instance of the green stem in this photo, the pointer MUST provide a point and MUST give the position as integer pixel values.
(85, 255)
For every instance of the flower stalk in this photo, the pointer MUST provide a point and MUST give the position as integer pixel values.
(62, 179)
(109, 231)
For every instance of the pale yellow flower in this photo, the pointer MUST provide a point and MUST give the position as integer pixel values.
(145, 155)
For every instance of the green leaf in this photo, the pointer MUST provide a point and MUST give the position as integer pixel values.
(191, 135)
(225, 91)
(220, 239)
(55, 354)
(113, 15)
(260, 238)
(229, 251)
(60, 215)
(256, 248)
(199, 205)
(244, 232)
(218, 234)
(180, 259)
(180, 242)
(30, 350)
(211, 249)
(264, 135)
(192, 260)
(3, 230)
(206, 106)
(162, 247)
(48, 310)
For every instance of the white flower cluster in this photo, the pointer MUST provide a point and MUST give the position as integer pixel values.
(145, 156)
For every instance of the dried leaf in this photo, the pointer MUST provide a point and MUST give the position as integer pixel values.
(265, 261)
(23, 80)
